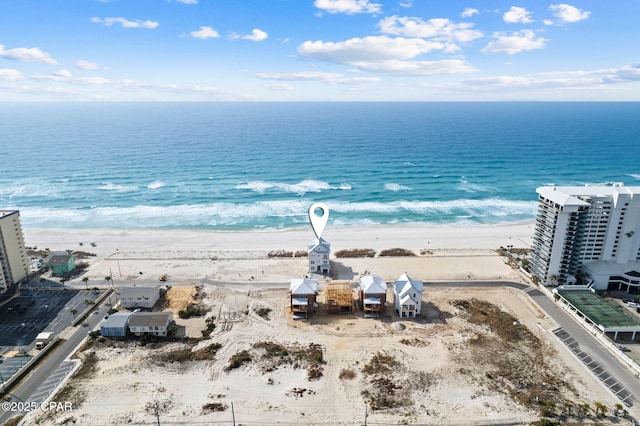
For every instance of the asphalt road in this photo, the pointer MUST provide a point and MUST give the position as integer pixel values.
(24, 391)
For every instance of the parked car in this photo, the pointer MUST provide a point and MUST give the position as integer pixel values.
(624, 348)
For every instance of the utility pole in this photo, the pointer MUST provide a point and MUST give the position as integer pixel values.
(233, 414)
(366, 414)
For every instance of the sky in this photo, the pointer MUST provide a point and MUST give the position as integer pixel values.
(319, 50)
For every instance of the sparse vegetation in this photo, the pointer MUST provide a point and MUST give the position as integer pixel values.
(272, 355)
(211, 325)
(280, 253)
(238, 360)
(414, 342)
(539, 386)
(301, 253)
(396, 252)
(186, 354)
(347, 374)
(353, 253)
(380, 363)
(214, 406)
(193, 310)
(262, 312)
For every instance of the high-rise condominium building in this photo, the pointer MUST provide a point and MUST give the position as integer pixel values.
(14, 261)
(589, 235)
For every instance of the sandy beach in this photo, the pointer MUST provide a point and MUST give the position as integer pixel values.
(434, 370)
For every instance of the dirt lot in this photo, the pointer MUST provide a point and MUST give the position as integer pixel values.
(482, 355)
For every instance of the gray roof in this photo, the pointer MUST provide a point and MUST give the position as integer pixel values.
(138, 292)
(150, 319)
(117, 320)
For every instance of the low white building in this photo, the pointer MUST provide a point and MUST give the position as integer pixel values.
(319, 253)
(153, 323)
(138, 297)
(407, 296)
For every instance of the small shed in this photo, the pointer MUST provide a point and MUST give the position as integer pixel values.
(407, 296)
(303, 292)
(152, 323)
(319, 253)
(372, 295)
(138, 297)
(115, 325)
(61, 262)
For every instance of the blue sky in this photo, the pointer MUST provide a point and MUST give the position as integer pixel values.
(319, 50)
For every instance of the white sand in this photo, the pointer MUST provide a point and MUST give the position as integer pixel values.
(375, 237)
(237, 275)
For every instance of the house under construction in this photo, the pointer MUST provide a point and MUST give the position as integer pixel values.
(339, 297)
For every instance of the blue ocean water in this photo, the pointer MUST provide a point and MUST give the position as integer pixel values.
(231, 166)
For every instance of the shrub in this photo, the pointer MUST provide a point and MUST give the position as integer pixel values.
(346, 374)
(192, 310)
(397, 252)
(238, 360)
(352, 253)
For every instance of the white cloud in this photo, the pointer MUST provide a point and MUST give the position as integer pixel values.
(469, 12)
(63, 73)
(325, 77)
(87, 65)
(11, 75)
(516, 42)
(349, 7)
(517, 15)
(567, 13)
(440, 29)
(256, 35)
(204, 33)
(187, 1)
(125, 23)
(279, 87)
(553, 80)
(373, 48)
(384, 55)
(25, 54)
(406, 3)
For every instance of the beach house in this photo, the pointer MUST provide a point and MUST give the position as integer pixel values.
(372, 295)
(61, 262)
(319, 252)
(407, 296)
(303, 292)
(115, 325)
(151, 323)
(138, 297)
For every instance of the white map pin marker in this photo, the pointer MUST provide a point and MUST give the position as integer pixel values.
(318, 216)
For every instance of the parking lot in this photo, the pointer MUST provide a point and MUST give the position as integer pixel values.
(34, 312)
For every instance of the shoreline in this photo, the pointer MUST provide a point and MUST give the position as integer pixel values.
(377, 237)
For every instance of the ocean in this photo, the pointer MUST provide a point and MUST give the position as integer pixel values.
(241, 166)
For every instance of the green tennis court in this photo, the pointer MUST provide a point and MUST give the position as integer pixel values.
(597, 310)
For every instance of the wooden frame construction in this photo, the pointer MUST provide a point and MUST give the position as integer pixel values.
(339, 297)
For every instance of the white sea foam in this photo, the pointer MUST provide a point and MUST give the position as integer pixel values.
(110, 186)
(472, 187)
(634, 175)
(156, 184)
(396, 187)
(284, 213)
(300, 188)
